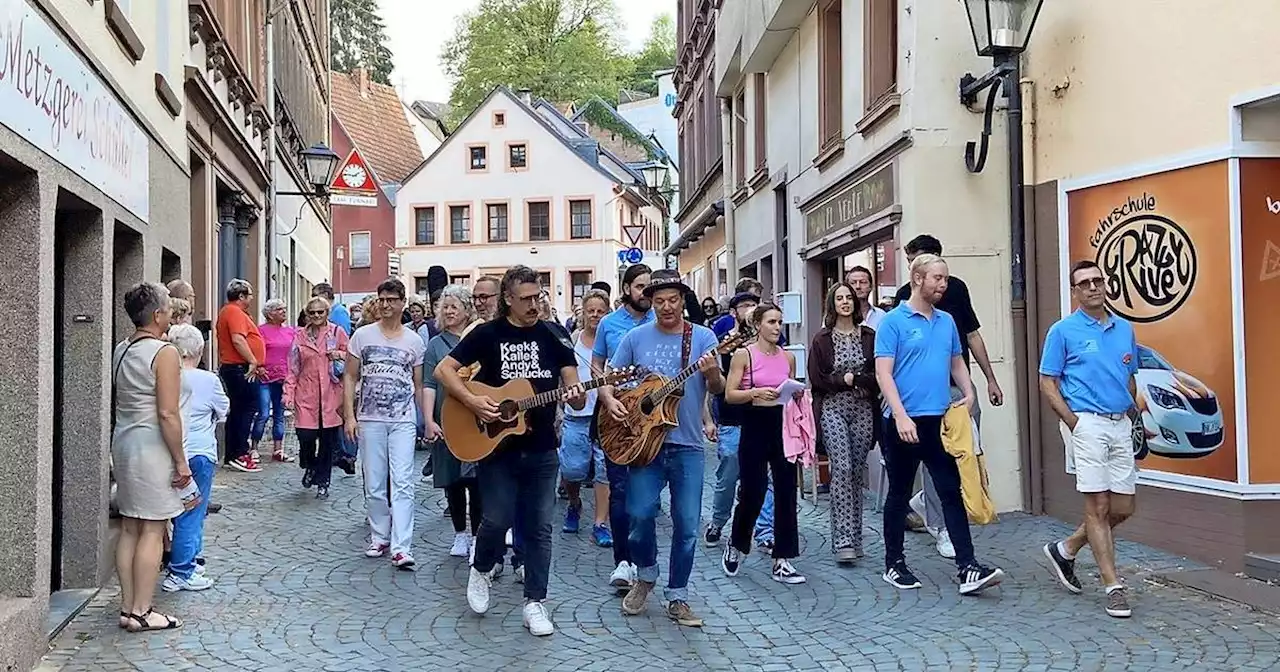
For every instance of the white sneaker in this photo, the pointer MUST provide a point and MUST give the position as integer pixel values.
(173, 583)
(623, 575)
(537, 620)
(519, 574)
(510, 539)
(918, 507)
(200, 570)
(945, 549)
(461, 545)
(478, 591)
(376, 550)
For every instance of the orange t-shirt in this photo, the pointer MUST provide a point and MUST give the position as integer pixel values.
(233, 320)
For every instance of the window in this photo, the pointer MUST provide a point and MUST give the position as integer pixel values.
(460, 279)
(579, 219)
(499, 119)
(539, 221)
(881, 55)
(760, 90)
(425, 226)
(518, 156)
(544, 281)
(697, 140)
(479, 157)
(740, 139)
(498, 223)
(361, 250)
(579, 285)
(830, 74)
(420, 286)
(459, 224)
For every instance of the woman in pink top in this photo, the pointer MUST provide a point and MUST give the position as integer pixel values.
(755, 373)
(313, 390)
(278, 337)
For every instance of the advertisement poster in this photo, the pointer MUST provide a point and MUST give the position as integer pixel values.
(1260, 245)
(1163, 243)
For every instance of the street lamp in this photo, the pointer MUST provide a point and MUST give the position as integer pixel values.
(320, 163)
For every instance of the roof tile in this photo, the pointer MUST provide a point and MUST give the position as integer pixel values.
(378, 126)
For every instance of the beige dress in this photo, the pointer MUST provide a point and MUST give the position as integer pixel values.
(141, 463)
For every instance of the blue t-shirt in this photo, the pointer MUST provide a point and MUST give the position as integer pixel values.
(1093, 361)
(921, 349)
(660, 352)
(341, 317)
(612, 328)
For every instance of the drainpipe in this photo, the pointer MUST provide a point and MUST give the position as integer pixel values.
(730, 228)
(270, 209)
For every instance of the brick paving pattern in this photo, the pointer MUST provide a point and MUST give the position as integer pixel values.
(294, 592)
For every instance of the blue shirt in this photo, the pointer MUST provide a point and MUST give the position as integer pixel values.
(660, 352)
(339, 316)
(1093, 361)
(612, 328)
(921, 349)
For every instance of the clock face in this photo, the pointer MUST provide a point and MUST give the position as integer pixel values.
(353, 176)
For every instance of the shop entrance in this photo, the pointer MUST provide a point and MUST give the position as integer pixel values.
(878, 255)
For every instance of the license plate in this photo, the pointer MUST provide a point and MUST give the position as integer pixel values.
(1212, 427)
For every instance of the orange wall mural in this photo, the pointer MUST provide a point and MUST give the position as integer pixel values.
(1260, 245)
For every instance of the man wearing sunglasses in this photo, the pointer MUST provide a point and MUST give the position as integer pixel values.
(1086, 375)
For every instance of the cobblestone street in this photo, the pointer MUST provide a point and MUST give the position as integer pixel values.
(294, 592)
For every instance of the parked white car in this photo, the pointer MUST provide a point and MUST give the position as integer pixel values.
(1181, 415)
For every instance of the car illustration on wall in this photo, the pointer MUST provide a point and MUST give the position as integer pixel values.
(1181, 416)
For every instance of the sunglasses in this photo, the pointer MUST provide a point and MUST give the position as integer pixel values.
(1090, 282)
(317, 312)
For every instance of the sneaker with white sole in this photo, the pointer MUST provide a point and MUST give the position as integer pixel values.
(537, 619)
(478, 585)
(784, 572)
(174, 583)
(900, 576)
(976, 578)
(376, 549)
(943, 543)
(623, 575)
(518, 572)
(731, 561)
(403, 561)
(1118, 603)
(918, 506)
(461, 545)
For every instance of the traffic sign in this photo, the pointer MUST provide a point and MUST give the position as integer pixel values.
(634, 232)
(634, 255)
(622, 256)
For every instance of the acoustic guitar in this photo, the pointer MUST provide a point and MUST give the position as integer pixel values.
(652, 411)
(470, 439)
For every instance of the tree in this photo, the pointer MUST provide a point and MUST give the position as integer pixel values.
(658, 53)
(358, 38)
(561, 50)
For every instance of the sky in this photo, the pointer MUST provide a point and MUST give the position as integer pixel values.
(418, 29)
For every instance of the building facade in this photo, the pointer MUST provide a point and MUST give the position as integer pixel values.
(1173, 188)
(94, 195)
(653, 118)
(520, 183)
(370, 121)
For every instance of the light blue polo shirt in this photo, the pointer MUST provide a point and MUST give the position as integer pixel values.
(612, 328)
(1093, 361)
(921, 349)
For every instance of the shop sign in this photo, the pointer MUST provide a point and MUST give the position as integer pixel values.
(1162, 242)
(52, 98)
(855, 203)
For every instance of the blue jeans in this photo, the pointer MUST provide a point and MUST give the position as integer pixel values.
(682, 468)
(619, 521)
(578, 452)
(727, 485)
(188, 528)
(270, 401)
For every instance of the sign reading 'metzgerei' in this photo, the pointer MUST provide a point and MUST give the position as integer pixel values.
(873, 194)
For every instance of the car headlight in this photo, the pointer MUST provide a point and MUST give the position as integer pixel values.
(1164, 398)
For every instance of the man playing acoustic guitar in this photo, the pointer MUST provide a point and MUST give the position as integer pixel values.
(667, 346)
(522, 471)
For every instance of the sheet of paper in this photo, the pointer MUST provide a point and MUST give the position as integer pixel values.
(787, 389)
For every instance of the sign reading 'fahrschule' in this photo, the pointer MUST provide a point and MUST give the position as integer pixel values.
(871, 195)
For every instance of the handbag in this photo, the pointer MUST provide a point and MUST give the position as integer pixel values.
(337, 367)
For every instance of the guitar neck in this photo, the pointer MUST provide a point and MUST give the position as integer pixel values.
(675, 383)
(552, 396)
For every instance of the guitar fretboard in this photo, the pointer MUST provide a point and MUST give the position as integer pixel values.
(552, 396)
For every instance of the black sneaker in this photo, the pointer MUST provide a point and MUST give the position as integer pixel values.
(975, 578)
(712, 536)
(731, 561)
(1063, 568)
(308, 477)
(899, 576)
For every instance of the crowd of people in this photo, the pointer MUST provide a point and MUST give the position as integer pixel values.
(366, 387)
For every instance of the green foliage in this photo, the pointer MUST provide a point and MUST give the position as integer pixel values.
(594, 112)
(658, 53)
(358, 38)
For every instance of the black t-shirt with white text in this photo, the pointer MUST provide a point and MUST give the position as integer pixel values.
(506, 352)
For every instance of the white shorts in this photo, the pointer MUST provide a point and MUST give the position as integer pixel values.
(1100, 453)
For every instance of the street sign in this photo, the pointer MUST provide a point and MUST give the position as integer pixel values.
(634, 255)
(622, 256)
(354, 175)
(634, 232)
(358, 200)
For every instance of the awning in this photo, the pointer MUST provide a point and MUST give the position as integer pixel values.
(695, 229)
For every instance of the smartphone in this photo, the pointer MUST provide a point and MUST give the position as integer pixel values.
(190, 495)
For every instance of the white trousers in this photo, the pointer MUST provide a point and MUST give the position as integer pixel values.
(386, 449)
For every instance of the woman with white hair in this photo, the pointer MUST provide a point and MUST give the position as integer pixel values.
(277, 335)
(204, 406)
(313, 390)
(146, 452)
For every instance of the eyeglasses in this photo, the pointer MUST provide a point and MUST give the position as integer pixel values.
(316, 312)
(390, 299)
(1090, 283)
(483, 297)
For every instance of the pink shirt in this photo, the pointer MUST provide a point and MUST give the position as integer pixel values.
(278, 339)
(766, 370)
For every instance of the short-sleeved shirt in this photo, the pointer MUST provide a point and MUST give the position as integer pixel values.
(661, 352)
(613, 327)
(1094, 361)
(957, 303)
(921, 348)
(874, 317)
(507, 352)
(387, 393)
(233, 320)
(583, 356)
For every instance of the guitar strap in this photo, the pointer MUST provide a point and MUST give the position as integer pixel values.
(686, 345)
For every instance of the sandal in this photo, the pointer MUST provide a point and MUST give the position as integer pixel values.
(144, 625)
(124, 620)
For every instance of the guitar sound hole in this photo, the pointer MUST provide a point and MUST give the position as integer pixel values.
(507, 411)
(646, 406)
